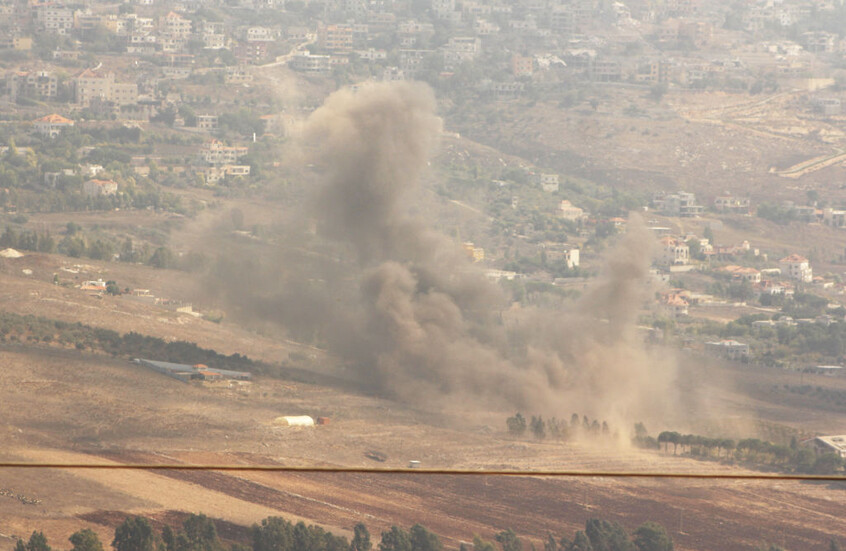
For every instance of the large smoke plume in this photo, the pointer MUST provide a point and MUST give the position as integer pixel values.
(400, 303)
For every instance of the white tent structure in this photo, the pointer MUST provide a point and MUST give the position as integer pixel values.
(294, 421)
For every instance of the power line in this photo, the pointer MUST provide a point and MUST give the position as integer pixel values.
(420, 471)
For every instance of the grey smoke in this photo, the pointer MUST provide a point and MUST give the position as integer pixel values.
(402, 305)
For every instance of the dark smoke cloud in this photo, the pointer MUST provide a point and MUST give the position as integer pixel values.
(403, 306)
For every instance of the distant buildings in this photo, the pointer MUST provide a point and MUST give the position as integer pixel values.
(730, 203)
(677, 204)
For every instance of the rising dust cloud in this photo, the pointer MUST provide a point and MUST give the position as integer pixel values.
(403, 307)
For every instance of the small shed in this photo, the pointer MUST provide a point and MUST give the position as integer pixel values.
(294, 421)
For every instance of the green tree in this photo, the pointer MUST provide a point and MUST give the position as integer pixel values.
(538, 427)
(423, 540)
(134, 534)
(395, 539)
(607, 536)
(481, 545)
(274, 534)
(37, 542)
(199, 532)
(127, 251)
(20, 546)
(651, 536)
(162, 258)
(361, 538)
(509, 540)
(86, 540)
(516, 425)
(580, 543)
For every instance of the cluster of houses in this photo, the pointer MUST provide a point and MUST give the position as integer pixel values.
(684, 204)
(574, 39)
(792, 270)
(214, 162)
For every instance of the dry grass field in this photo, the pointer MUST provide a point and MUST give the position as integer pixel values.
(66, 406)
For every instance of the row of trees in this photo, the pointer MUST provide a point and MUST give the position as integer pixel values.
(753, 450)
(77, 244)
(554, 428)
(198, 533)
(16, 327)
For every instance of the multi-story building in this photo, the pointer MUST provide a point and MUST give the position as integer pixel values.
(568, 211)
(522, 66)
(678, 204)
(207, 122)
(251, 52)
(32, 84)
(175, 25)
(216, 153)
(730, 203)
(674, 251)
(606, 70)
(460, 49)
(91, 85)
(309, 63)
(55, 19)
(336, 38)
(238, 74)
(260, 34)
(796, 267)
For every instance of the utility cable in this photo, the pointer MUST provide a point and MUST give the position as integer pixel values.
(553, 473)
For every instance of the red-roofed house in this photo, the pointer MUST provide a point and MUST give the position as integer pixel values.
(51, 125)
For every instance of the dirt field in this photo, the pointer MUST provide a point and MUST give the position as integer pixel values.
(65, 406)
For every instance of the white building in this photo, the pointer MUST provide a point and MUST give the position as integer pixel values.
(549, 182)
(674, 251)
(796, 267)
(731, 349)
(216, 153)
(568, 211)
